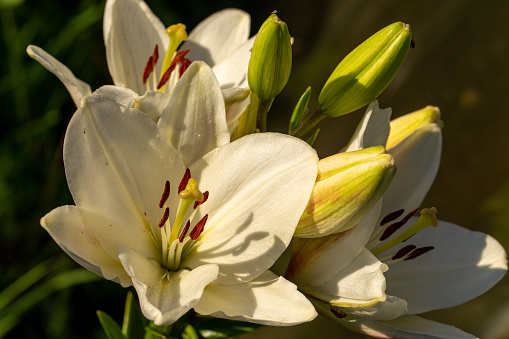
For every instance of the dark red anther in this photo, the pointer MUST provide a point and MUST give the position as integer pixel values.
(337, 313)
(403, 251)
(184, 231)
(205, 197)
(166, 194)
(418, 252)
(149, 67)
(185, 180)
(184, 65)
(198, 229)
(391, 229)
(409, 215)
(391, 217)
(179, 58)
(164, 219)
(155, 54)
(165, 77)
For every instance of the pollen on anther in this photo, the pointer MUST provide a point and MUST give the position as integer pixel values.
(184, 231)
(149, 67)
(155, 54)
(198, 229)
(418, 252)
(166, 194)
(165, 217)
(337, 313)
(205, 197)
(391, 229)
(403, 251)
(391, 217)
(185, 180)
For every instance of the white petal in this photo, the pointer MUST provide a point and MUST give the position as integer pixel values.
(152, 104)
(315, 261)
(131, 31)
(408, 326)
(373, 130)
(67, 228)
(232, 71)
(117, 164)
(75, 86)
(259, 185)
(360, 284)
(194, 118)
(418, 159)
(216, 37)
(268, 300)
(123, 96)
(165, 299)
(462, 266)
(391, 308)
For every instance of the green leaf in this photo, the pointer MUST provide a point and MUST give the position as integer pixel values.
(300, 110)
(133, 326)
(110, 327)
(190, 333)
(10, 3)
(153, 332)
(311, 139)
(223, 329)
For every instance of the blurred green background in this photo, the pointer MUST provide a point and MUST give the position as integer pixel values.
(460, 64)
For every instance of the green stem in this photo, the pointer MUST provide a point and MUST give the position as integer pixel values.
(309, 121)
(263, 109)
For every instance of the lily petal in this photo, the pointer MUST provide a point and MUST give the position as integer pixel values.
(67, 228)
(254, 204)
(191, 129)
(315, 261)
(267, 300)
(152, 104)
(373, 130)
(131, 32)
(218, 36)
(462, 266)
(409, 326)
(232, 71)
(418, 159)
(123, 96)
(77, 88)
(165, 299)
(107, 155)
(360, 284)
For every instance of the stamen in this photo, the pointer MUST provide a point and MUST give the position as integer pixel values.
(205, 197)
(184, 181)
(149, 67)
(403, 251)
(427, 218)
(178, 59)
(391, 229)
(164, 219)
(391, 217)
(184, 231)
(166, 194)
(418, 252)
(337, 313)
(177, 34)
(198, 229)
(155, 54)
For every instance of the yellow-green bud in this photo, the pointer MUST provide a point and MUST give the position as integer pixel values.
(364, 73)
(348, 185)
(405, 125)
(271, 59)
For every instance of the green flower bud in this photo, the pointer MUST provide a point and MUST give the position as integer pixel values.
(405, 125)
(271, 59)
(364, 73)
(348, 185)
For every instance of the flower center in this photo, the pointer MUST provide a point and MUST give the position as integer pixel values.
(173, 60)
(379, 244)
(176, 238)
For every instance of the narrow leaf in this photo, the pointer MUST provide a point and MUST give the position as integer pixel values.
(300, 110)
(110, 327)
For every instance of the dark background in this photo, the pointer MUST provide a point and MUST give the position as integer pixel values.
(460, 64)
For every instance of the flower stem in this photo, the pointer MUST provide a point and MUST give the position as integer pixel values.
(263, 109)
(309, 121)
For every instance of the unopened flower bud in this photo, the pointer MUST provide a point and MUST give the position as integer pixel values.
(405, 125)
(347, 186)
(271, 59)
(364, 73)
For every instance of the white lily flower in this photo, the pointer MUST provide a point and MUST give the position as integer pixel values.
(380, 281)
(131, 33)
(241, 200)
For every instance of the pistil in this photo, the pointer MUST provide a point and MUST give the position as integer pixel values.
(177, 34)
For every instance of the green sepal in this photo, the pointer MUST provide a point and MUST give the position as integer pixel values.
(110, 327)
(300, 110)
(133, 326)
